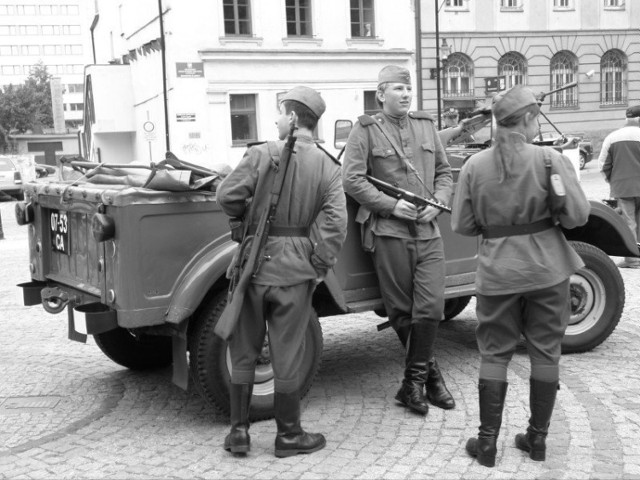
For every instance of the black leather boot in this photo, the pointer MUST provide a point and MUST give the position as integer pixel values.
(492, 394)
(403, 334)
(437, 392)
(542, 398)
(419, 351)
(292, 439)
(238, 440)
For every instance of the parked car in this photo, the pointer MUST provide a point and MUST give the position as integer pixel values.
(10, 179)
(584, 144)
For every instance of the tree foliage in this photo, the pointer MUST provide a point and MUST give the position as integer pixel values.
(27, 107)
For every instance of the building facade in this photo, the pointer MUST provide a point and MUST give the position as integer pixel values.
(543, 44)
(55, 33)
(215, 86)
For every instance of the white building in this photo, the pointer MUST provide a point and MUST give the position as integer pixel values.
(226, 64)
(54, 32)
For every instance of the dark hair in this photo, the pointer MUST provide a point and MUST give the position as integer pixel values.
(306, 118)
(381, 88)
(518, 115)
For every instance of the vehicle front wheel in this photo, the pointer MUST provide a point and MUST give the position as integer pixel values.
(583, 160)
(210, 362)
(597, 300)
(137, 352)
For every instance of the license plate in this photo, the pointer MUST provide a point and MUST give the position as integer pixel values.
(59, 222)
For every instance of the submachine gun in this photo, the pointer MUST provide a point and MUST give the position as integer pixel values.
(245, 271)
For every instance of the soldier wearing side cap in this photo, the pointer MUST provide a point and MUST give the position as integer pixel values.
(280, 293)
(403, 148)
(620, 160)
(524, 265)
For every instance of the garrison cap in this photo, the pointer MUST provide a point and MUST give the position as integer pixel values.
(308, 97)
(511, 100)
(394, 74)
(633, 112)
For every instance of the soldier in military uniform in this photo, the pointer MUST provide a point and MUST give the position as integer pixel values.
(280, 294)
(403, 148)
(505, 194)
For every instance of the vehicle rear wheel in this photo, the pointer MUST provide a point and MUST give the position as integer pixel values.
(454, 306)
(210, 362)
(597, 300)
(137, 352)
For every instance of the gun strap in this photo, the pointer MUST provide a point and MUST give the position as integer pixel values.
(403, 157)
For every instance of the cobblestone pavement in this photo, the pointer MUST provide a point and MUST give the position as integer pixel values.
(66, 411)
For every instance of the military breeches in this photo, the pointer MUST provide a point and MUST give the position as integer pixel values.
(541, 316)
(283, 314)
(411, 274)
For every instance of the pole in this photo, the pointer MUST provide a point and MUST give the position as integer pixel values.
(435, 2)
(164, 77)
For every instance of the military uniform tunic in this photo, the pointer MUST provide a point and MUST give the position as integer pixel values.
(407, 153)
(281, 291)
(522, 281)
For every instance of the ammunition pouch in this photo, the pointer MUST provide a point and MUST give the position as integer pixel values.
(557, 196)
(237, 227)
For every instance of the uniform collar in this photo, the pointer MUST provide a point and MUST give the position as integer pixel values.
(397, 121)
(303, 137)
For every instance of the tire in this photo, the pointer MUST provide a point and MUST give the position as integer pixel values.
(597, 300)
(210, 362)
(142, 352)
(583, 160)
(454, 306)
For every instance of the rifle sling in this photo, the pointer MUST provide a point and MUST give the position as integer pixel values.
(497, 231)
(282, 231)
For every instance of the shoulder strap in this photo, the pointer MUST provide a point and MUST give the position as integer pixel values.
(422, 115)
(366, 120)
(335, 160)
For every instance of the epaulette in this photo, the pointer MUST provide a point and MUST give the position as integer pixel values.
(366, 120)
(421, 115)
(336, 161)
(253, 144)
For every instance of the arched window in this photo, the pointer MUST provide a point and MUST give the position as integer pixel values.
(564, 66)
(613, 78)
(458, 76)
(514, 68)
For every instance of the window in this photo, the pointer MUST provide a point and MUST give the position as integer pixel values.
(514, 68)
(298, 18)
(237, 17)
(614, 4)
(562, 4)
(564, 66)
(75, 88)
(371, 106)
(458, 76)
(613, 78)
(243, 119)
(511, 4)
(76, 107)
(456, 5)
(362, 18)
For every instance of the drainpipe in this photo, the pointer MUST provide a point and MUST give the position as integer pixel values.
(164, 77)
(418, 28)
(94, 23)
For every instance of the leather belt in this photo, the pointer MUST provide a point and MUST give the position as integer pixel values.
(278, 231)
(497, 231)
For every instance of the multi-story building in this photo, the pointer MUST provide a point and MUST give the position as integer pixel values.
(54, 33)
(544, 44)
(215, 86)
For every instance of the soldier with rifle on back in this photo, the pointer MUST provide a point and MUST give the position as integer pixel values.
(279, 194)
(403, 149)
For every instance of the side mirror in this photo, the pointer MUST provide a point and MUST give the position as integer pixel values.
(341, 133)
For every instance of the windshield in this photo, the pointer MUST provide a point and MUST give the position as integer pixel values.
(6, 165)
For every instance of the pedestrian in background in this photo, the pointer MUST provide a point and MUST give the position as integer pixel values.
(524, 265)
(403, 148)
(280, 293)
(620, 160)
